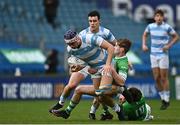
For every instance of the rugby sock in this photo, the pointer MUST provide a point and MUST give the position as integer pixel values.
(93, 109)
(116, 108)
(70, 107)
(166, 96)
(105, 108)
(62, 100)
(161, 94)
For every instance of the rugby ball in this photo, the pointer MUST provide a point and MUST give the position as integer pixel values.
(72, 60)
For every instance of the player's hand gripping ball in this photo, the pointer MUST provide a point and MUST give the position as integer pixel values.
(76, 64)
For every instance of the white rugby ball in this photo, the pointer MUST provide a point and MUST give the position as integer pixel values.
(72, 60)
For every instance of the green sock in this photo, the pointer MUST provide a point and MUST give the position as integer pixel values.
(70, 107)
(105, 108)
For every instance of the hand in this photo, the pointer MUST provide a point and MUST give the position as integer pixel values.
(166, 47)
(130, 66)
(76, 68)
(144, 48)
(107, 68)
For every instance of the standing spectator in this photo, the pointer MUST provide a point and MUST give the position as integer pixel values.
(163, 36)
(50, 10)
(51, 62)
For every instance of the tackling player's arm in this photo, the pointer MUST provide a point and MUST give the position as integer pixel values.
(110, 49)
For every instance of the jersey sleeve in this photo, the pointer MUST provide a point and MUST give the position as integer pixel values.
(95, 39)
(110, 36)
(170, 30)
(147, 30)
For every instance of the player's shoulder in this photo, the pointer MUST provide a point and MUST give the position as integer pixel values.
(166, 25)
(68, 48)
(104, 29)
(84, 31)
(152, 25)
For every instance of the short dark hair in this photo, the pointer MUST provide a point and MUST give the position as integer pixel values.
(94, 13)
(136, 94)
(125, 43)
(159, 11)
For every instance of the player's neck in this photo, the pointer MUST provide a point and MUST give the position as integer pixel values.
(95, 30)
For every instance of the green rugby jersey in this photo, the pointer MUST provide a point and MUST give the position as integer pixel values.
(136, 110)
(121, 66)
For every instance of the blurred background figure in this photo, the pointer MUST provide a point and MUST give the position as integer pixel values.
(50, 11)
(52, 62)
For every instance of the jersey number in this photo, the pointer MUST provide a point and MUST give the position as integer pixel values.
(140, 111)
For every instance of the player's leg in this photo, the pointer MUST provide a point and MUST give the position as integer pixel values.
(93, 109)
(157, 78)
(108, 100)
(96, 78)
(155, 63)
(148, 114)
(164, 65)
(106, 115)
(79, 91)
(74, 80)
(105, 89)
(105, 83)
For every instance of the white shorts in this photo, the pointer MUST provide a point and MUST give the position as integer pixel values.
(161, 62)
(85, 72)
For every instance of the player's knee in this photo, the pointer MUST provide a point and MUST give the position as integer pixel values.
(78, 90)
(164, 79)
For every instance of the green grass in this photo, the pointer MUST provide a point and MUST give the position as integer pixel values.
(36, 112)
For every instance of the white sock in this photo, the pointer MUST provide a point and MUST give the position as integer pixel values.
(116, 108)
(93, 109)
(166, 96)
(61, 100)
(161, 94)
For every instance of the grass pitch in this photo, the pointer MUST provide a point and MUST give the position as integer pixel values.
(36, 112)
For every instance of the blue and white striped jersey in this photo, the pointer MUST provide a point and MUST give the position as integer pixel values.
(103, 32)
(90, 50)
(160, 36)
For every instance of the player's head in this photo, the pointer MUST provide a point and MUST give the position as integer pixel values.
(122, 46)
(94, 21)
(136, 94)
(72, 39)
(159, 16)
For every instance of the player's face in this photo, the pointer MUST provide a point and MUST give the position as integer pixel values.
(118, 51)
(158, 18)
(94, 23)
(75, 43)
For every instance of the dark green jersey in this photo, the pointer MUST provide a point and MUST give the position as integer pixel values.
(136, 110)
(121, 66)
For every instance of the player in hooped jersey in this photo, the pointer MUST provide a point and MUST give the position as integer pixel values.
(163, 36)
(134, 108)
(95, 51)
(95, 29)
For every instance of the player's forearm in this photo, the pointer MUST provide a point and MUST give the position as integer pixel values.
(110, 51)
(174, 40)
(144, 37)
